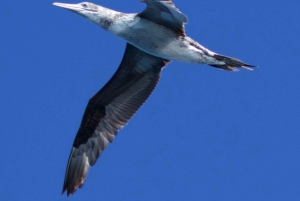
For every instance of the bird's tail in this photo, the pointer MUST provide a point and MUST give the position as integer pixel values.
(231, 64)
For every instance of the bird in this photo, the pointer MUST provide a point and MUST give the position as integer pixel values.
(154, 37)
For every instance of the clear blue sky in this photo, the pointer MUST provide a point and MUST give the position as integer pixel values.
(204, 134)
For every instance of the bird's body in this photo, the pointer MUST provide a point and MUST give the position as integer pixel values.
(154, 37)
(162, 42)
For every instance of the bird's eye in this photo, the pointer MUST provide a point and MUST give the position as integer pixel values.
(84, 5)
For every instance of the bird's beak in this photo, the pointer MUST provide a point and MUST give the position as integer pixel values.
(72, 7)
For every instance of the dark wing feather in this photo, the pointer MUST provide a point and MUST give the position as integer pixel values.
(165, 13)
(110, 109)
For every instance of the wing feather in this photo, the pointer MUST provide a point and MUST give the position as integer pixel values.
(165, 13)
(110, 109)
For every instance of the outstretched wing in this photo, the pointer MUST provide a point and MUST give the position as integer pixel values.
(109, 110)
(165, 13)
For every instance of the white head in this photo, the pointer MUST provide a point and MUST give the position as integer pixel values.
(88, 10)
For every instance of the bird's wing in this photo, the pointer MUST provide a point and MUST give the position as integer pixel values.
(165, 13)
(110, 109)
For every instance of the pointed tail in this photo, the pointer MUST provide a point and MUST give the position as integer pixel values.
(231, 64)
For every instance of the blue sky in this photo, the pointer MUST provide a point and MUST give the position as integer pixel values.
(204, 134)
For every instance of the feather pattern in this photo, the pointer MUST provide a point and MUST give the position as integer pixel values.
(110, 109)
(165, 13)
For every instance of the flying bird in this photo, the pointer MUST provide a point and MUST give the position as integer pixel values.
(154, 38)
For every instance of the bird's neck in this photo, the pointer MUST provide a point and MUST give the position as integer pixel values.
(105, 17)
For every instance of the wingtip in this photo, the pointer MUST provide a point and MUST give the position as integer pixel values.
(64, 190)
(69, 191)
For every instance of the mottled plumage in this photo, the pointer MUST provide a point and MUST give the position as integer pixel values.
(154, 37)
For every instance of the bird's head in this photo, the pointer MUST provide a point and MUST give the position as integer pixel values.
(85, 9)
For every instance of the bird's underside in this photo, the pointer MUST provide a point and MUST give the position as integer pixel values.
(137, 76)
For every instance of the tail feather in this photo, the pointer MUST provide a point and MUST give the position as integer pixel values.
(231, 64)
